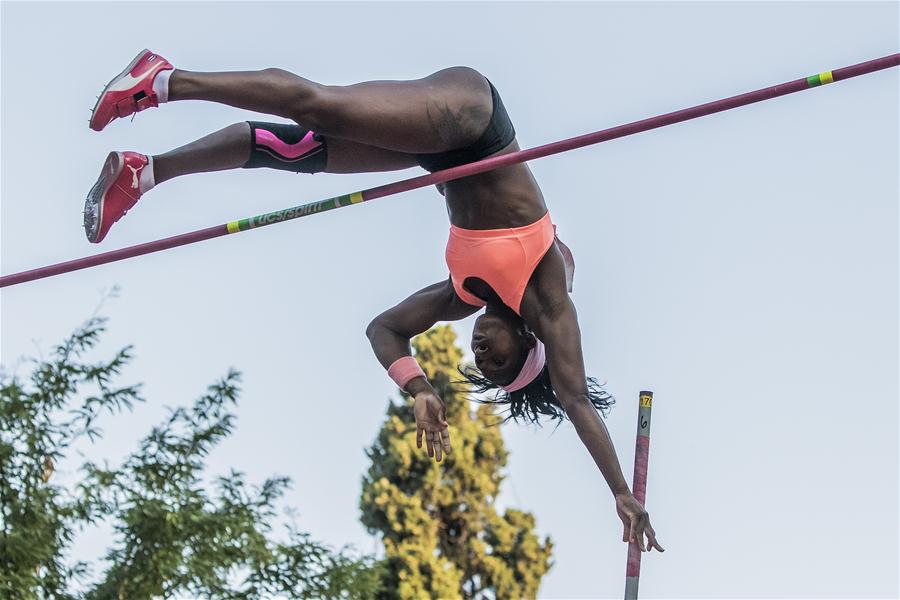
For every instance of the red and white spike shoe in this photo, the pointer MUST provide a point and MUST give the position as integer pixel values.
(130, 91)
(116, 191)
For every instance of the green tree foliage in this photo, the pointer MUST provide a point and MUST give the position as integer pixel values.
(442, 536)
(174, 534)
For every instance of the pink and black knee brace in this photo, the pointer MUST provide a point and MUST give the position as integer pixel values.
(287, 147)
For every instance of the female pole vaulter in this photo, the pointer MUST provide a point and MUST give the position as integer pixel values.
(502, 253)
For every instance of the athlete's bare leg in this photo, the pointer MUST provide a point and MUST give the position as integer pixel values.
(443, 111)
(229, 148)
(373, 126)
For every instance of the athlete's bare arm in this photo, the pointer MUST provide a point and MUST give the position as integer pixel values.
(390, 333)
(550, 312)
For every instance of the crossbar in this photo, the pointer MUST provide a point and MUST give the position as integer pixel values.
(466, 170)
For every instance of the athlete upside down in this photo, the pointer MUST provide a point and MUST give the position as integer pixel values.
(503, 254)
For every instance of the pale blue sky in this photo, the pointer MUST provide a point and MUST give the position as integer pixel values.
(743, 266)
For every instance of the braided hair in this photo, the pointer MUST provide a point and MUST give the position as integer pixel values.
(537, 399)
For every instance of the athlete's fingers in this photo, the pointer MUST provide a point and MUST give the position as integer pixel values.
(652, 536)
(637, 526)
(419, 432)
(445, 438)
(436, 440)
(631, 532)
(429, 444)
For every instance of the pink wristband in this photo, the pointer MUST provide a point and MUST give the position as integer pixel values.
(405, 369)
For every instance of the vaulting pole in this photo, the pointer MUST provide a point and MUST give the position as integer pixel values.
(639, 489)
(481, 166)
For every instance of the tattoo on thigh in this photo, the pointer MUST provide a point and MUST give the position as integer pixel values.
(457, 128)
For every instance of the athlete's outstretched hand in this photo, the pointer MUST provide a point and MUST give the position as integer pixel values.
(637, 522)
(431, 421)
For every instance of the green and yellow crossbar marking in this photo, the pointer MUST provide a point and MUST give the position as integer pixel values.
(293, 213)
(820, 79)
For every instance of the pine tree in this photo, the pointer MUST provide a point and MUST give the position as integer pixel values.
(175, 533)
(442, 536)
